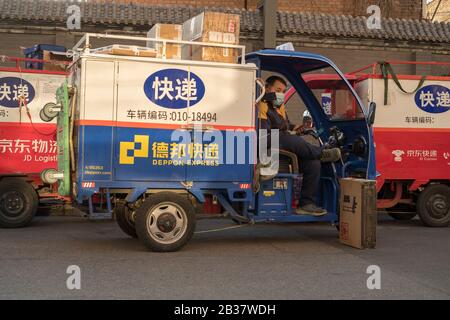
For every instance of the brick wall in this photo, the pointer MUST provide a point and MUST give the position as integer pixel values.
(347, 58)
(389, 8)
(443, 12)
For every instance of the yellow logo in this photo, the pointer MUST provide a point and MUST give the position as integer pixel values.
(126, 146)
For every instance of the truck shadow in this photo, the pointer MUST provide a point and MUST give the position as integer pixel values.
(106, 236)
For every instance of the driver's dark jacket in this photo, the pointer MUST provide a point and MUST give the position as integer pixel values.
(273, 118)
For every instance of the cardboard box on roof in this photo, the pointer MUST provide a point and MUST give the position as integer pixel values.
(216, 27)
(125, 50)
(358, 214)
(168, 32)
(59, 60)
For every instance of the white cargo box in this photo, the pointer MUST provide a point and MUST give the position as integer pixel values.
(135, 91)
(426, 108)
(37, 89)
(152, 119)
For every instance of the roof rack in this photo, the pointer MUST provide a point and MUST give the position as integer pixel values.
(20, 65)
(84, 45)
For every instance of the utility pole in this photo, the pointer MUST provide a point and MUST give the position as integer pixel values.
(269, 10)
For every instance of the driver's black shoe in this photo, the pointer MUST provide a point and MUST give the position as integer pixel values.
(330, 155)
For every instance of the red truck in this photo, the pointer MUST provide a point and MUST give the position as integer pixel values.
(27, 143)
(411, 134)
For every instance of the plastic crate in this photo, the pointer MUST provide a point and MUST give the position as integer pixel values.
(37, 52)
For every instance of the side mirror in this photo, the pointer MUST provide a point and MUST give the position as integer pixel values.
(371, 115)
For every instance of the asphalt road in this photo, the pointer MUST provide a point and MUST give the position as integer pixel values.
(252, 262)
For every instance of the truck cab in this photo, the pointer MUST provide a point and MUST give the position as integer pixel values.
(352, 132)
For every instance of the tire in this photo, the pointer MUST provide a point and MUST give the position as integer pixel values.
(125, 219)
(168, 211)
(402, 212)
(433, 205)
(18, 203)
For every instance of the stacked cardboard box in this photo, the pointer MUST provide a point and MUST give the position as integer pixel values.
(168, 32)
(216, 27)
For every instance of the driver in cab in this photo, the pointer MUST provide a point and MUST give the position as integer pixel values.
(272, 115)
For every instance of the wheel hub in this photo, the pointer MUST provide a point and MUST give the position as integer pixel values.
(13, 203)
(439, 205)
(166, 222)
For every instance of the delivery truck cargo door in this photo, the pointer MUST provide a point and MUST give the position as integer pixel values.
(221, 117)
(97, 123)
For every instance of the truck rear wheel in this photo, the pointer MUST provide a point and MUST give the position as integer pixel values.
(165, 222)
(18, 203)
(433, 205)
(125, 219)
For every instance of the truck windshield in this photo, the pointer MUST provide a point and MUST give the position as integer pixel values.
(333, 94)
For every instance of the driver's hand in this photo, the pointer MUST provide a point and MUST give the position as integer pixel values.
(299, 129)
(332, 142)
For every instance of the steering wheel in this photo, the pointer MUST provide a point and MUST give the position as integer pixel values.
(337, 137)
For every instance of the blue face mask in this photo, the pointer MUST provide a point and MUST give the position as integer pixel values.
(279, 100)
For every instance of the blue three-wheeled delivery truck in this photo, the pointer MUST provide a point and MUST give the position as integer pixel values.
(161, 137)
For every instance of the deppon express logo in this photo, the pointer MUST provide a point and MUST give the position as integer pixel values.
(174, 88)
(12, 89)
(433, 99)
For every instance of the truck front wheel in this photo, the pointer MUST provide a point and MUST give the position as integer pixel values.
(165, 221)
(18, 203)
(433, 205)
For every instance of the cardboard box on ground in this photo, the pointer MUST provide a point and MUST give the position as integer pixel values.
(168, 32)
(358, 215)
(216, 27)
